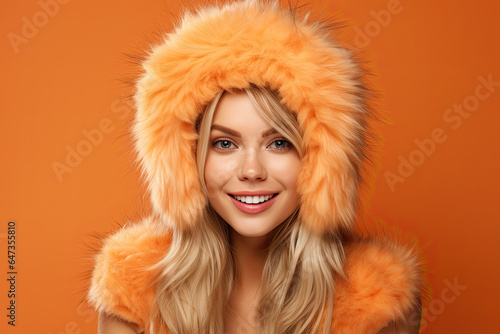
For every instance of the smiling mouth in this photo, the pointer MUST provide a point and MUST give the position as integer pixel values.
(253, 199)
(253, 204)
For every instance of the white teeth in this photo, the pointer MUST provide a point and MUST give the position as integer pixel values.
(253, 199)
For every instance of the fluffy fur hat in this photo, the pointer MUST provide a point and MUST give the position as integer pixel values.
(233, 46)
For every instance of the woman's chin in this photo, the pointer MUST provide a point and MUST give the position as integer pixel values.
(251, 232)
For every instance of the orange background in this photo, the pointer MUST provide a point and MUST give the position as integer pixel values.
(65, 79)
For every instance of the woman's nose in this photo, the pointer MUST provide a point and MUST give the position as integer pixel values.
(252, 167)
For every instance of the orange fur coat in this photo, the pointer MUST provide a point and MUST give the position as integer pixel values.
(232, 46)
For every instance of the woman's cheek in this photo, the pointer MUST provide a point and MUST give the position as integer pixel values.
(218, 171)
(287, 167)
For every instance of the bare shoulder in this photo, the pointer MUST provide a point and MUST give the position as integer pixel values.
(410, 324)
(112, 325)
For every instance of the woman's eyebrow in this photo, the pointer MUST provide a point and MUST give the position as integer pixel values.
(269, 132)
(225, 130)
(231, 132)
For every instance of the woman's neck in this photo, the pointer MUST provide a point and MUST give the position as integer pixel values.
(250, 256)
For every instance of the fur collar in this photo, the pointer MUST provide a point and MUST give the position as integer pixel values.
(382, 286)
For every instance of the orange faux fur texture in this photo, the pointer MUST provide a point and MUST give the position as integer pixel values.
(232, 46)
(382, 284)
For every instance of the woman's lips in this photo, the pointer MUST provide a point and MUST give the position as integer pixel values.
(253, 208)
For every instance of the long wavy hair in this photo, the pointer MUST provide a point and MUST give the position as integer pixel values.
(196, 277)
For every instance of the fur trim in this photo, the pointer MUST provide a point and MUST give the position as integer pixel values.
(232, 46)
(382, 285)
(122, 282)
(382, 278)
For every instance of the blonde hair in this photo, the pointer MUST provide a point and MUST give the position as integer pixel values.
(196, 276)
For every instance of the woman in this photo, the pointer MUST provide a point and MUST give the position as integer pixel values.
(252, 130)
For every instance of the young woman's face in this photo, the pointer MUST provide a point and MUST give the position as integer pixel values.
(251, 170)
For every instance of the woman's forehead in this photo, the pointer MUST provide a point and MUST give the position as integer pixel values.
(237, 112)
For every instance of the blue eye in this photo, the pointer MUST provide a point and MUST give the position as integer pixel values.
(281, 144)
(222, 144)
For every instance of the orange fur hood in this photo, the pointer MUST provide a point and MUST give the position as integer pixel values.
(382, 286)
(235, 45)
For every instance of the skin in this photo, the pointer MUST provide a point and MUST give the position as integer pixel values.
(412, 326)
(111, 325)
